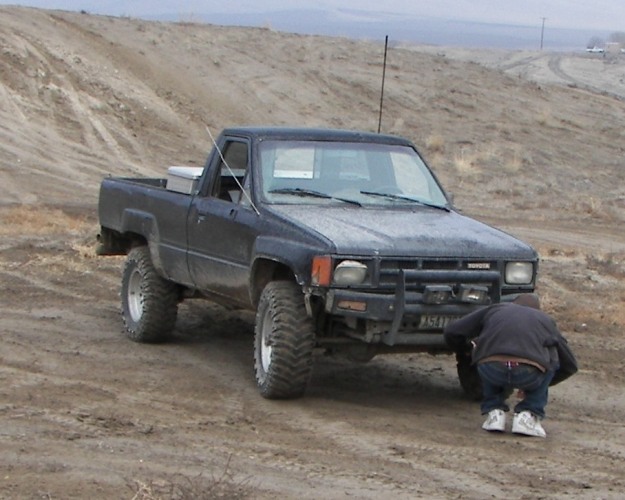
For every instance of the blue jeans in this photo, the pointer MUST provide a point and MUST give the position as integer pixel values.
(498, 379)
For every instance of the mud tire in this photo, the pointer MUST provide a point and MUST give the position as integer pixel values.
(284, 339)
(149, 302)
(468, 377)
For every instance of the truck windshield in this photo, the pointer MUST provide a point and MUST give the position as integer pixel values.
(363, 173)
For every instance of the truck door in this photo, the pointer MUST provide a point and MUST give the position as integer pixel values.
(222, 226)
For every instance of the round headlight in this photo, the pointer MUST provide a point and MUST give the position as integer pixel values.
(350, 272)
(519, 273)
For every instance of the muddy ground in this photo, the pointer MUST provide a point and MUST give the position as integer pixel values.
(85, 413)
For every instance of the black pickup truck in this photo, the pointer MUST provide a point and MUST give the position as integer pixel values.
(341, 241)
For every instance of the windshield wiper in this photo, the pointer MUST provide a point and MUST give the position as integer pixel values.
(312, 193)
(301, 192)
(394, 196)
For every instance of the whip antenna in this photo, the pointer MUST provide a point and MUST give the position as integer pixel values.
(383, 78)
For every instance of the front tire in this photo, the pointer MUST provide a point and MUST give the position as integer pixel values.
(284, 339)
(469, 377)
(149, 302)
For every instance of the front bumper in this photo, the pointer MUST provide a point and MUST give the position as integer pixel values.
(403, 317)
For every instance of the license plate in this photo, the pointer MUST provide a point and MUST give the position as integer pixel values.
(435, 321)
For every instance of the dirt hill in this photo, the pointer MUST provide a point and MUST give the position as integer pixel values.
(531, 142)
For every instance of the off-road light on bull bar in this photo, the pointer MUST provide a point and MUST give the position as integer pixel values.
(437, 294)
(474, 294)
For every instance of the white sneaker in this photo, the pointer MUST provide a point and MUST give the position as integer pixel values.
(527, 423)
(496, 421)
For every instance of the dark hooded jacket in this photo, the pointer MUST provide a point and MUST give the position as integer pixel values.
(513, 330)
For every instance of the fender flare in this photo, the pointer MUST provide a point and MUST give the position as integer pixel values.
(144, 224)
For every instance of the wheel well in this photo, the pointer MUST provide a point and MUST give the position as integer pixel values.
(113, 242)
(264, 271)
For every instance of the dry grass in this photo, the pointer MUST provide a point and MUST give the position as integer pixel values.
(435, 143)
(545, 117)
(39, 220)
(571, 280)
(610, 264)
(515, 160)
(596, 208)
(475, 160)
(180, 487)
(60, 263)
(83, 250)
(64, 242)
(467, 162)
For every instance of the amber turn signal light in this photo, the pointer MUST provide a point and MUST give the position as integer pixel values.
(321, 273)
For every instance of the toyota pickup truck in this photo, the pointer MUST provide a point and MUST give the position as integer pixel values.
(341, 241)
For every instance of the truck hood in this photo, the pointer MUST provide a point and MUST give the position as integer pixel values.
(420, 231)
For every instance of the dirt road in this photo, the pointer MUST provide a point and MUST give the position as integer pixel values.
(85, 413)
(88, 414)
(600, 73)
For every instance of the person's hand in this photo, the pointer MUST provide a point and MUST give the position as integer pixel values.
(469, 347)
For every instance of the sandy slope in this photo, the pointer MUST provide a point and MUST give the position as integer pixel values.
(531, 142)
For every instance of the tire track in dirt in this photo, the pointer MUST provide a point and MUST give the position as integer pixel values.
(42, 285)
(514, 63)
(582, 81)
(77, 108)
(459, 465)
(555, 65)
(589, 238)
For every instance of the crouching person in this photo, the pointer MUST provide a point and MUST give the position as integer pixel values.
(514, 346)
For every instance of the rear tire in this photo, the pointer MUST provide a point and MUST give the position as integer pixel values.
(149, 302)
(284, 339)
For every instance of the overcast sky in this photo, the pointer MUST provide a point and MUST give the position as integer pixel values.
(605, 15)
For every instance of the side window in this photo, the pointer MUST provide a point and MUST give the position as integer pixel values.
(231, 173)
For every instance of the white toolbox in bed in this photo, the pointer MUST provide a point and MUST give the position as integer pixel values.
(183, 179)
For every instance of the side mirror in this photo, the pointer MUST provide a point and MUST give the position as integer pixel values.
(450, 198)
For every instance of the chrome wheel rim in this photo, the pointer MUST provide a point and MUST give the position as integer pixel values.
(265, 347)
(135, 296)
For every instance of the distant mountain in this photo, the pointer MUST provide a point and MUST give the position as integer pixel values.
(412, 29)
